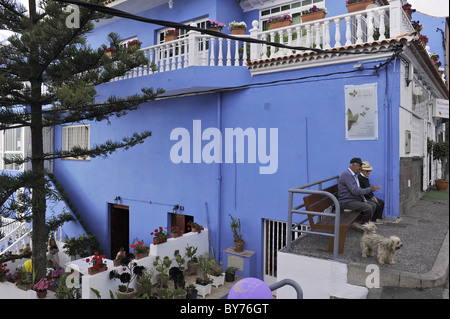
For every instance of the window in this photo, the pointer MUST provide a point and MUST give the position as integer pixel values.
(201, 23)
(11, 144)
(293, 9)
(76, 135)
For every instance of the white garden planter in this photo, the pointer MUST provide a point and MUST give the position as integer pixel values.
(217, 281)
(203, 290)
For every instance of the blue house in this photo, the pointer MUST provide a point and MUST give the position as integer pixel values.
(241, 123)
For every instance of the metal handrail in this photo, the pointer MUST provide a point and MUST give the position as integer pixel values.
(289, 282)
(291, 210)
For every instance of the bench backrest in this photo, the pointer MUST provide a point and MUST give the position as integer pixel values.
(318, 203)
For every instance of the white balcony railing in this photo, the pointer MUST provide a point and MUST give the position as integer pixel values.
(198, 49)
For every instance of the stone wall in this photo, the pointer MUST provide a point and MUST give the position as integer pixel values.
(411, 175)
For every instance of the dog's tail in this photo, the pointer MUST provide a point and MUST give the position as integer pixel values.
(369, 228)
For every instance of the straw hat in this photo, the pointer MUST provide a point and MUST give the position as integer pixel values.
(366, 166)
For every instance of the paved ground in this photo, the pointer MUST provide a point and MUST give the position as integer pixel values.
(424, 233)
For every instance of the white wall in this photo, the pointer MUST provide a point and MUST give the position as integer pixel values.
(319, 278)
(103, 284)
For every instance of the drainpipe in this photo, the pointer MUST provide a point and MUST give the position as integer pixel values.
(388, 178)
(219, 181)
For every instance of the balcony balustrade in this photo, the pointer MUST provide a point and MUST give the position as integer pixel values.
(197, 49)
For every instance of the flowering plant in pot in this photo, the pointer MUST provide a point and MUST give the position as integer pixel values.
(134, 44)
(195, 227)
(160, 236)
(140, 250)
(214, 25)
(41, 287)
(119, 256)
(130, 272)
(423, 38)
(97, 262)
(279, 21)
(109, 52)
(237, 27)
(358, 5)
(3, 272)
(171, 35)
(408, 10)
(417, 26)
(313, 13)
(176, 232)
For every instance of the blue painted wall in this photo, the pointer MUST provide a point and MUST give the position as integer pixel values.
(309, 115)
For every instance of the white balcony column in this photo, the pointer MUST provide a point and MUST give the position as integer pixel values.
(370, 27)
(212, 61)
(359, 30)
(193, 47)
(382, 25)
(327, 38)
(348, 31)
(255, 49)
(396, 16)
(337, 36)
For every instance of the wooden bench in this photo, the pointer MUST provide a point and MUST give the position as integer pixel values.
(319, 203)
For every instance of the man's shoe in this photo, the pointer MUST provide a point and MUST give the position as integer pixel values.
(358, 227)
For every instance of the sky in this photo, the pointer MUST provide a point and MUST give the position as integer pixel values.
(434, 8)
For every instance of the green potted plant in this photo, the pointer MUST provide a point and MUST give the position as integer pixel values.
(81, 247)
(41, 288)
(180, 260)
(194, 227)
(230, 274)
(237, 235)
(313, 13)
(191, 292)
(144, 284)
(204, 282)
(440, 153)
(179, 293)
(119, 256)
(192, 261)
(126, 277)
(171, 35)
(162, 278)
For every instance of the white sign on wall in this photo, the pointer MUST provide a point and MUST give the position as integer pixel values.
(441, 108)
(361, 112)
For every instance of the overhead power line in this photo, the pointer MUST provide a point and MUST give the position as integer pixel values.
(170, 24)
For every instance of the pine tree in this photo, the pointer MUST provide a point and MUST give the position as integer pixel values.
(48, 76)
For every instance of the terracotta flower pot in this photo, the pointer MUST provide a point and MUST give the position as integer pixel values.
(238, 31)
(92, 271)
(171, 37)
(239, 246)
(441, 185)
(280, 24)
(157, 241)
(313, 16)
(360, 6)
(138, 256)
(41, 293)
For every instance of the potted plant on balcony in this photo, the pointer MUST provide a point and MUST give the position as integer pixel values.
(160, 236)
(435, 59)
(214, 25)
(237, 235)
(134, 44)
(358, 5)
(109, 52)
(408, 10)
(424, 39)
(313, 13)
(140, 250)
(237, 28)
(126, 277)
(279, 21)
(171, 35)
(440, 153)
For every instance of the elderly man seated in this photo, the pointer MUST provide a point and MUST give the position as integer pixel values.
(351, 195)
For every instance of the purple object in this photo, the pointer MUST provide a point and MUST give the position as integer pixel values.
(250, 288)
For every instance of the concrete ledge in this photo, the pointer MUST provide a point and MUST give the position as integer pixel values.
(397, 278)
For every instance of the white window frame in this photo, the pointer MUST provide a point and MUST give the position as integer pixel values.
(19, 148)
(79, 137)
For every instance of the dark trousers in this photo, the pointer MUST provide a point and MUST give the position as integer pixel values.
(378, 214)
(367, 209)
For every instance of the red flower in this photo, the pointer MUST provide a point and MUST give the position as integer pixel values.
(87, 260)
